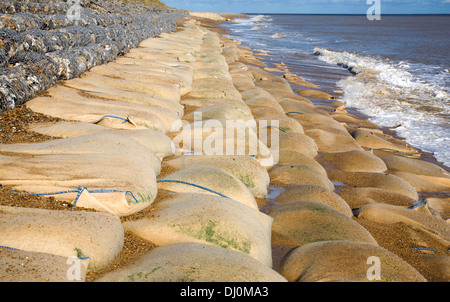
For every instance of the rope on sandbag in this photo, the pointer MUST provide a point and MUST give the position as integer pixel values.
(14, 249)
(275, 128)
(191, 184)
(423, 249)
(79, 191)
(397, 151)
(417, 205)
(296, 112)
(113, 116)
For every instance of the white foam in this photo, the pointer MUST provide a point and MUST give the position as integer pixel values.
(390, 94)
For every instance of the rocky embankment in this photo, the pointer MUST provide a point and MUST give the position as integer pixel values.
(43, 42)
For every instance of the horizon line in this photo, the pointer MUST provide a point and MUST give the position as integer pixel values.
(344, 14)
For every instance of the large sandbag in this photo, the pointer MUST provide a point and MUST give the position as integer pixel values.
(247, 169)
(285, 123)
(423, 183)
(158, 143)
(223, 137)
(435, 231)
(203, 218)
(439, 205)
(353, 161)
(328, 142)
(208, 180)
(23, 266)
(357, 197)
(111, 183)
(424, 176)
(374, 180)
(314, 94)
(345, 261)
(290, 141)
(210, 72)
(370, 140)
(226, 112)
(303, 222)
(185, 84)
(213, 89)
(290, 106)
(112, 114)
(313, 121)
(97, 143)
(98, 236)
(314, 193)
(287, 175)
(194, 262)
(163, 91)
(237, 103)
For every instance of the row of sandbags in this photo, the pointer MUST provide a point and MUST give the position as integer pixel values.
(362, 174)
(199, 231)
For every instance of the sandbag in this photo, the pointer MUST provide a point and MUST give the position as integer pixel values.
(109, 70)
(287, 175)
(328, 142)
(110, 183)
(314, 193)
(370, 140)
(439, 205)
(208, 180)
(353, 161)
(158, 143)
(226, 112)
(98, 236)
(194, 262)
(237, 103)
(23, 266)
(314, 94)
(247, 169)
(433, 232)
(357, 197)
(374, 180)
(97, 143)
(299, 223)
(203, 218)
(345, 261)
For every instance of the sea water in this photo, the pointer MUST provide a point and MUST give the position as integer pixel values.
(395, 70)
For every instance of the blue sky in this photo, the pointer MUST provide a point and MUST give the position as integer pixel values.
(313, 6)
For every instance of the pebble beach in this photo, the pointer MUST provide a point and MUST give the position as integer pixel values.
(101, 165)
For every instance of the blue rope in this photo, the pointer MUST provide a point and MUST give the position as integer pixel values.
(113, 116)
(194, 185)
(79, 191)
(423, 249)
(14, 249)
(417, 205)
(276, 128)
(294, 112)
(397, 151)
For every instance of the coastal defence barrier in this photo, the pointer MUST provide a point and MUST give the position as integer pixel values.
(43, 42)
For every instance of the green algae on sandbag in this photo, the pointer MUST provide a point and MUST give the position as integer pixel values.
(346, 261)
(99, 236)
(247, 169)
(314, 193)
(194, 262)
(208, 219)
(303, 222)
(208, 180)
